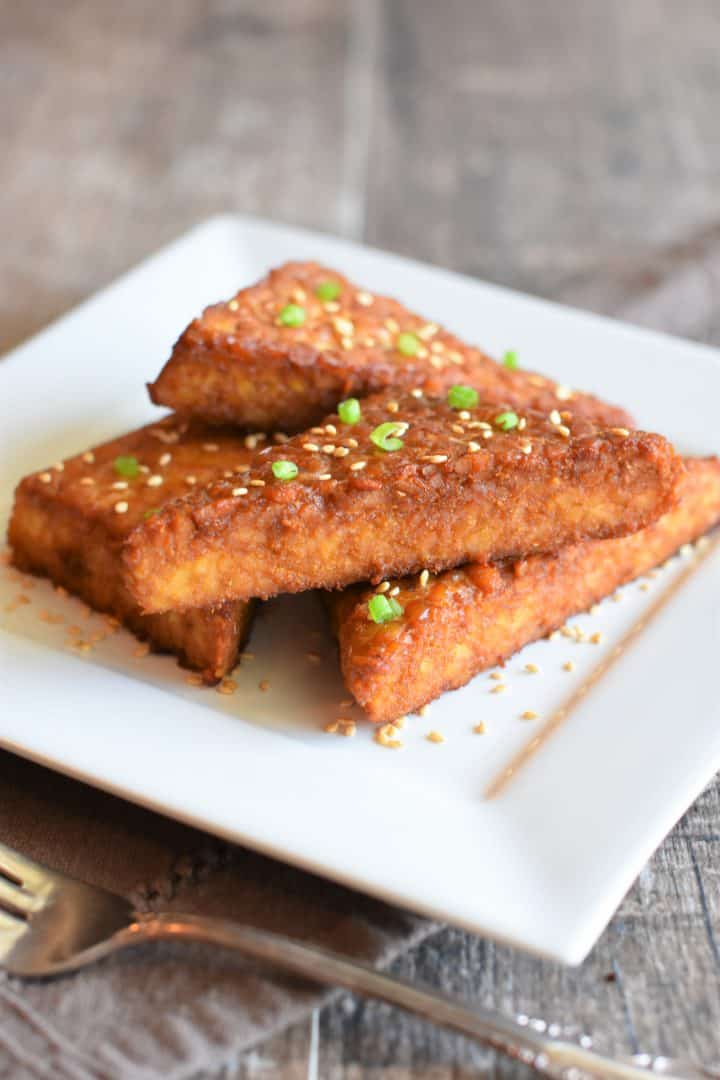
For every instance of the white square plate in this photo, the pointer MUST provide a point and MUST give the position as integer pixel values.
(544, 863)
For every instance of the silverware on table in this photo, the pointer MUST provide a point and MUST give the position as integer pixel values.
(52, 924)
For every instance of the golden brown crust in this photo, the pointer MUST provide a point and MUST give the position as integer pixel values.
(65, 526)
(459, 489)
(466, 620)
(237, 364)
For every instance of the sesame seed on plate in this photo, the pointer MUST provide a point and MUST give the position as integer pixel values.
(529, 714)
(193, 680)
(568, 666)
(532, 669)
(499, 688)
(331, 727)
(435, 737)
(480, 728)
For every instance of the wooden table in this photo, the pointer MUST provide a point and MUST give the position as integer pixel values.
(554, 146)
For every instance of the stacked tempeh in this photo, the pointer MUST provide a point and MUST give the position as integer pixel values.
(502, 501)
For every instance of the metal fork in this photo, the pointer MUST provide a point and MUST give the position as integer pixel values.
(51, 923)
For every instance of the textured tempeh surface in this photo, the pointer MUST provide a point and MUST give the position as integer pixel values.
(566, 148)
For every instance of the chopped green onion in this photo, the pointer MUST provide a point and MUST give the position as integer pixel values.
(292, 315)
(328, 290)
(284, 470)
(126, 465)
(462, 397)
(382, 609)
(151, 513)
(384, 435)
(349, 411)
(506, 421)
(510, 360)
(408, 344)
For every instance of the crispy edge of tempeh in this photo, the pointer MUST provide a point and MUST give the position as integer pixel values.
(354, 512)
(53, 534)
(467, 620)
(238, 364)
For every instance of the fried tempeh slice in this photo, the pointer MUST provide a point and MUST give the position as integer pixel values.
(69, 523)
(281, 353)
(466, 620)
(331, 507)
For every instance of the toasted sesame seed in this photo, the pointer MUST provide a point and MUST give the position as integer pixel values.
(155, 480)
(233, 305)
(555, 417)
(318, 430)
(257, 483)
(240, 491)
(529, 714)
(89, 457)
(568, 666)
(427, 331)
(45, 477)
(596, 638)
(165, 459)
(436, 459)
(499, 688)
(392, 326)
(226, 686)
(563, 393)
(58, 466)
(399, 722)
(331, 727)
(437, 363)
(311, 447)
(496, 676)
(620, 431)
(464, 415)
(357, 466)
(328, 448)
(281, 438)
(487, 434)
(435, 737)
(458, 429)
(331, 429)
(473, 447)
(526, 447)
(416, 392)
(424, 578)
(346, 343)
(121, 508)
(299, 295)
(141, 651)
(250, 442)
(532, 669)
(191, 480)
(364, 299)
(395, 591)
(348, 728)
(143, 469)
(522, 423)
(455, 357)
(344, 327)
(382, 587)
(644, 586)
(331, 307)
(86, 481)
(341, 451)
(392, 406)
(564, 430)
(211, 447)
(193, 680)
(120, 485)
(480, 728)
(324, 476)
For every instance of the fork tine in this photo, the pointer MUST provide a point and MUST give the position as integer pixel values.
(23, 870)
(14, 899)
(10, 924)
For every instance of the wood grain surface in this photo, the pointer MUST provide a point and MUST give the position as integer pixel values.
(566, 147)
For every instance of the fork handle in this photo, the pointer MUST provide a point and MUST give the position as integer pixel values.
(515, 1038)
